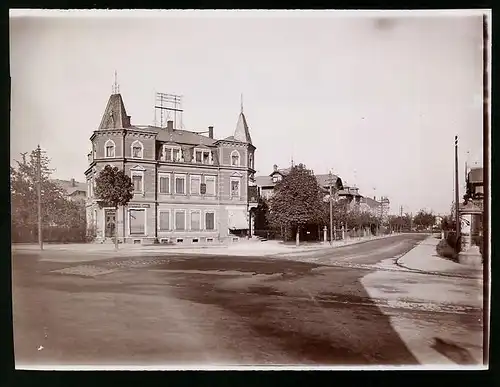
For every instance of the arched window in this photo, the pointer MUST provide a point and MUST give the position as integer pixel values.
(235, 158)
(109, 148)
(137, 150)
(250, 160)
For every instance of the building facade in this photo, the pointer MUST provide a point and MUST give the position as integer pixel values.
(188, 188)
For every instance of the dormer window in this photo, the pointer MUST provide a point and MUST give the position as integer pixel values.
(235, 158)
(110, 148)
(276, 178)
(137, 150)
(171, 153)
(202, 156)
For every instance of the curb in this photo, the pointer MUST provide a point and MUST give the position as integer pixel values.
(327, 248)
(436, 273)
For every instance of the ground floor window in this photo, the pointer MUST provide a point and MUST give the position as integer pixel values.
(180, 220)
(209, 221)
(137, 221)
(195, 220)
(164, 220)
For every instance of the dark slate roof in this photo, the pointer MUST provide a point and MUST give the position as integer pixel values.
(242, 132)
(264, 181)
(476, 175)
(115, 115)
(182, 136)
(67, 185)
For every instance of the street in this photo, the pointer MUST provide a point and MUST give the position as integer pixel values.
(223, 310)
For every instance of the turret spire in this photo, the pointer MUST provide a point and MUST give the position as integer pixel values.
(116, 87)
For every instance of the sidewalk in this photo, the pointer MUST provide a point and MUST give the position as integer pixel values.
(93, 251)
(424, 258)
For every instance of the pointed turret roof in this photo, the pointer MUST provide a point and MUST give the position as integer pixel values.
(115, 115)
(242, 133)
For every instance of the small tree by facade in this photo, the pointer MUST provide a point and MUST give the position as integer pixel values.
(113, 188)
(297, 201)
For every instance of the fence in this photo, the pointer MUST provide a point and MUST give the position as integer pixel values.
(51, 234)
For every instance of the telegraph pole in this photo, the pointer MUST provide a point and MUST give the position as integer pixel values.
(331, 207)
(457, 216)
(39, 194)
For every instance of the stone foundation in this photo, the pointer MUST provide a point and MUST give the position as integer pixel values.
(471, 257)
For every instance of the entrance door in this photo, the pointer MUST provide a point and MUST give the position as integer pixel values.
(110, 219)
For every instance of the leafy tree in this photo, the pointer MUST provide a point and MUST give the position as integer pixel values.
(297, 201)
(57, 210)
(114, 188)
(424, 219)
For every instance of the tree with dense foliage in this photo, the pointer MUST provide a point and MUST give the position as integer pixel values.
(62, 219)
(400, 223)
(424, 219)
(297, 201)
(114, 188)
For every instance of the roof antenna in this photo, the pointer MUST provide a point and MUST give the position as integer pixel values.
(116, 87)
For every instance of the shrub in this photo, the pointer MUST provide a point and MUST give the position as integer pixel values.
(443, 249)
(453, 241)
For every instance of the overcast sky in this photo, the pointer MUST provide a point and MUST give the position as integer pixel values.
(376, 100)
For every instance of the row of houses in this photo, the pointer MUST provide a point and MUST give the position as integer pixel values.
(189, 187)
(379, 208)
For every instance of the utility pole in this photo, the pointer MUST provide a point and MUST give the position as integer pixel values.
(39, 194)
(457, 216)
(331, 207)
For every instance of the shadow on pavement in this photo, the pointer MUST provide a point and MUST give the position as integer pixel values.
(453, 352)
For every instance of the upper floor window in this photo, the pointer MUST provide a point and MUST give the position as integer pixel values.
(109, 148)
(138, 181)
(209, 185)
(250, 160)
(137, 150)
(202, 156)
(171, 153)
(235, 158)
(164, 183)
(235, 187)
(180, 184)
(195, 185)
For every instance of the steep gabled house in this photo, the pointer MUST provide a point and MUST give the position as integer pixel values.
(188, 187)
(74, 190)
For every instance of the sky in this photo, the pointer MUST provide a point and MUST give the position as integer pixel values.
(375, 98)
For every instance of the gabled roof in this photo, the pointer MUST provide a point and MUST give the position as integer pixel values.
(115, 115)
(67, 185)
(242, 133)
(264, 181)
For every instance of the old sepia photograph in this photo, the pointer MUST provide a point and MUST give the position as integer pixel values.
(250, 189)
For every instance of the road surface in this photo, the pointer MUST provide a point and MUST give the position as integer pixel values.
(220, 310)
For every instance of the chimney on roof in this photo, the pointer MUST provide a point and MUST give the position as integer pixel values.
(375, 198)
(73, 182)
(210, 132)
(170, 125)
(275, 167)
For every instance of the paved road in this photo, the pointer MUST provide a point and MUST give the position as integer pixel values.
(211, 310)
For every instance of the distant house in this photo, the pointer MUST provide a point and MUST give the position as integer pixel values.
(75, 190)
(267, 183)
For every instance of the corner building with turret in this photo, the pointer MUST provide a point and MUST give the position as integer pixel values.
(189, 188)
